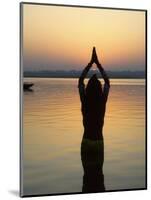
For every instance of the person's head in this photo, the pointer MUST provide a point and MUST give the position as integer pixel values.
(94, 91)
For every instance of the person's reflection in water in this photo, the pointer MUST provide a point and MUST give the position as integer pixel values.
(93, 104)
(92, 156)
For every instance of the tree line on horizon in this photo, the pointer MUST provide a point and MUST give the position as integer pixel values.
(77, 73)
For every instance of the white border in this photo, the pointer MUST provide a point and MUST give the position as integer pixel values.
(9, 100)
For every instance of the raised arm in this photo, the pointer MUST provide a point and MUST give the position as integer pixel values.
(104, 75)
(84, 74)
(106, 80)
(81, 85)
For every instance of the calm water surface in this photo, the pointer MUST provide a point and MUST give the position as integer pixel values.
(52, 134)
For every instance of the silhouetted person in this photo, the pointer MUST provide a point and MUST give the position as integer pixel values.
(93, 104)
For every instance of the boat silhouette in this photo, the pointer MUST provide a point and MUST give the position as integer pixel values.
(27, 86)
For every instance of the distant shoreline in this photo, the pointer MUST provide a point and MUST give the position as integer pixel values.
(76, 74)
(86, 78)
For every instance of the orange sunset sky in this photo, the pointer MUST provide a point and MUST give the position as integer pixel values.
(61, 38)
